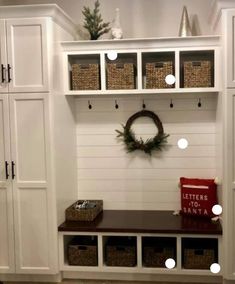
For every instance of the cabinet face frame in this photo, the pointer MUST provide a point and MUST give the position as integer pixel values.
(6, 197)
(229, 42)
(140, 89)
(3, 57)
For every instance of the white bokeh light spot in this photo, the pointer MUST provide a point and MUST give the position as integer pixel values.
(217, 209)
(170, 263)
(112, 55)
(215, 268)
(182, 143)
(170, 79)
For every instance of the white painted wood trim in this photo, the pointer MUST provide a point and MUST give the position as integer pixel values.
(7, 186)
(163, 42)
(138, 268)
(39, 10)
(87, 48)
(3, 56)
(42, 23)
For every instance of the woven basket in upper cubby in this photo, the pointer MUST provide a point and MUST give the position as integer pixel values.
(197, 74)
(120, 76)
(156, 73)
(85, 77)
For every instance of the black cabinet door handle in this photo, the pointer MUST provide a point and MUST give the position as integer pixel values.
(3, 73)
(9, 72)
(6, 169)
(13, 170)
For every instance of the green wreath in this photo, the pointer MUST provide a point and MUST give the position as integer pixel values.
(152, 144)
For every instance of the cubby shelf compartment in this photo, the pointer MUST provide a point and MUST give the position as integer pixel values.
(142, 65)
(157, 229)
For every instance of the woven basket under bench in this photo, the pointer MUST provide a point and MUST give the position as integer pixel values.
(82, 250)
(198, 258)
(120, 251)
(156, 256)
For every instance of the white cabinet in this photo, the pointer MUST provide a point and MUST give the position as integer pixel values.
(30, 124)
(23, 55)
(25, 148)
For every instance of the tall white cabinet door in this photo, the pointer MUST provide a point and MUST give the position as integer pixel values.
(3, 58)
(27, 55)
(31, 183)
(6, 206)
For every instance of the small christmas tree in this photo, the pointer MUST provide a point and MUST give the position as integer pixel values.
(94, 22)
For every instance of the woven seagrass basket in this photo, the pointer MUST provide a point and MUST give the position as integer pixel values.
(156, 257)
(85, 77)
(156, 73)
(83, 252)
(198, 258)
(120, 76)
(120, 253)
(197, 74)
(84, 214)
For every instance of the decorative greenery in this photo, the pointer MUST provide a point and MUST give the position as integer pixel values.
(152, 144)
(94, 22)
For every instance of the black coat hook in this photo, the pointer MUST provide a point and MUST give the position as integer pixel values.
(171, 104)
(199, 103)
(116, 104)
(143, 105)
(89, 105)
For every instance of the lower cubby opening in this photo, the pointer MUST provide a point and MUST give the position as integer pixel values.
(156, 250)
(199, 253)
(120, 251)
(82, 251)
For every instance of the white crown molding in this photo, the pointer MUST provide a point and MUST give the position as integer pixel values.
(216, 10)
(39, 10)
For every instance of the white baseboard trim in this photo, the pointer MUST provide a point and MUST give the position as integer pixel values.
(142, 277)
(30, 278)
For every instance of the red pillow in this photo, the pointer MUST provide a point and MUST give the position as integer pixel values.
(198, 196)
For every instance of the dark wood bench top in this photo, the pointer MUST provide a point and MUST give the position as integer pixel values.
(135, 221)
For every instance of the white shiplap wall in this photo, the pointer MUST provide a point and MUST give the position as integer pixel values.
(136, 180)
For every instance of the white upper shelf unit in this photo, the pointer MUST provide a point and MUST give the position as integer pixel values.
(142, 66)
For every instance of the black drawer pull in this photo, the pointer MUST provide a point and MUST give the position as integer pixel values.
(13, 170)
(3, 73)
(9, 72)
(6, 169)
